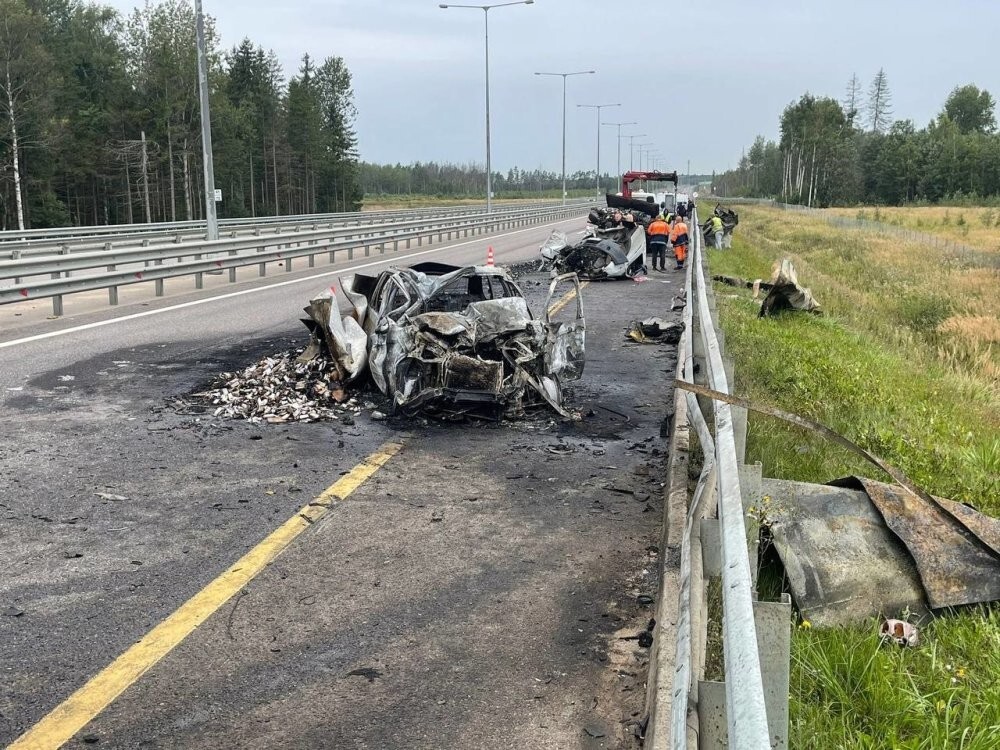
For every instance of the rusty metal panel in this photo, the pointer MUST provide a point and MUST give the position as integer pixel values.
(842, 563)
(956, 565)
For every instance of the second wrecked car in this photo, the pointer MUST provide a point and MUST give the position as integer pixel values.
(450, 341)
(614, 247)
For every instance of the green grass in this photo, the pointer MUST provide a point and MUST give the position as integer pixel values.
(873, 369)
(850, 691)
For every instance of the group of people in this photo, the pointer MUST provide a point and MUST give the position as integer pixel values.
(667, 229)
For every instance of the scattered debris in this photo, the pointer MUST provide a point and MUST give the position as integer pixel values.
(595, 731)
(369, 673)
(111, 497)
(12, 612)
(899, 632)
(279, 389)
(785, 293)
(655, 331)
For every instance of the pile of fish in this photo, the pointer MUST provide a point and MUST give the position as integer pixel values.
(280, 389)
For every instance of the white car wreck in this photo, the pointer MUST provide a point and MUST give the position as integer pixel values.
(614, 247)
(450, 341)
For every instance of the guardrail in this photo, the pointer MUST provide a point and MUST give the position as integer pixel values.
(749, 710)
(230, 254)
(14, 244)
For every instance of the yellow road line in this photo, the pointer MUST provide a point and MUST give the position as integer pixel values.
(566, 299)
(70, 716)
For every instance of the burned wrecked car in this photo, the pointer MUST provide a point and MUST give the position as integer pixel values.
(614, 246)
(450, 341)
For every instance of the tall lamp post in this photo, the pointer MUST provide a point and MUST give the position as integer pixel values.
(486, 15)
(620, 125)
(211, 218)
(631, 148)
(564, 77)
(598, 108)
(642, 147)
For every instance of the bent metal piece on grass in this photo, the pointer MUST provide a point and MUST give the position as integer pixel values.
(450, 341)
(828, 542)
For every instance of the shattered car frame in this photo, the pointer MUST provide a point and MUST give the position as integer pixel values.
(614, 247)
(451, 341)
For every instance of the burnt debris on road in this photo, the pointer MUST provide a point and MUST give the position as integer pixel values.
(434, 339)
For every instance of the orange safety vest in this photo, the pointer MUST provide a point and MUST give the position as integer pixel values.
(658, 227)
(680, 228)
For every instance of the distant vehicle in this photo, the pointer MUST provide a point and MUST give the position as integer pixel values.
(629, 177)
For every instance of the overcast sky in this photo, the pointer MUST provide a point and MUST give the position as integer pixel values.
(419, 70)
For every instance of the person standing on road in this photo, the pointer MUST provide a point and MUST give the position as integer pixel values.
(657, 233)
(679, 238)
(717, 230)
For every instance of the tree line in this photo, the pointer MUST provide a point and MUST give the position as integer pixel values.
(469, 180)
(851, 151)
(99, 120)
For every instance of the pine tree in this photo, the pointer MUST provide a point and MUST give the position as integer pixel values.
(879, 104)
(852, 102)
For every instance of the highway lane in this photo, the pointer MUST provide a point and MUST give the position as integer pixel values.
(460, 616)
(225, 313)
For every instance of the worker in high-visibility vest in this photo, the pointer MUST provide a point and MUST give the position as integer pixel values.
(679, 238)
(658, 232)
(716, 229)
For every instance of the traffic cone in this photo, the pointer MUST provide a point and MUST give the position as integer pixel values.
(489, 255)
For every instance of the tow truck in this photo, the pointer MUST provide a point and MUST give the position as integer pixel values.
(646, 202)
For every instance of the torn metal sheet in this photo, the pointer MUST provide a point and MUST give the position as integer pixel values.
(956, 565)
(785, 293)
(843, 564)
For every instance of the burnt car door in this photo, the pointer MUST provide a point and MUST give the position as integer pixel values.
(565, 340)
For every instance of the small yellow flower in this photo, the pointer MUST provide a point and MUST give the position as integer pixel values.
(960, 673)
(805, 625)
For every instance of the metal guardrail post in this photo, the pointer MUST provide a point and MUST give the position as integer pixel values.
(112, 290)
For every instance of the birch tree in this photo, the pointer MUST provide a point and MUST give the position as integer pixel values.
(23, 66)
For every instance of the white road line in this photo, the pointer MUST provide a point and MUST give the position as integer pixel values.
(230, 295)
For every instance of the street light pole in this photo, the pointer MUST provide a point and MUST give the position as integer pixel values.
(598, 108)
(564, 77)
(642, 147)
(619, 124)
(631, 148)
(486, 14)
(211, 218)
